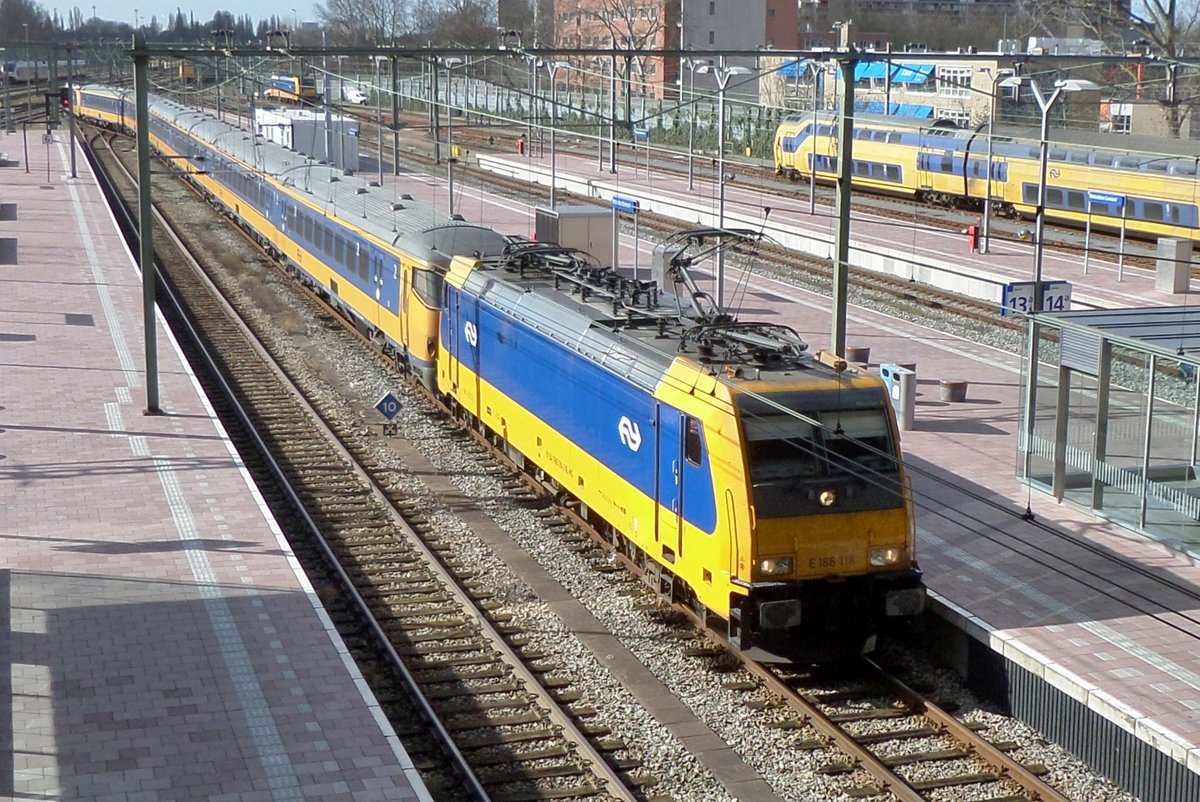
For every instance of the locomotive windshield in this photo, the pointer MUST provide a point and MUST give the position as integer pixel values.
(792, 461)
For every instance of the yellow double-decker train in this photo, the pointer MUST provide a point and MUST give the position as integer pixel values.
(292, 89)
(1149, 186)
(755, 481)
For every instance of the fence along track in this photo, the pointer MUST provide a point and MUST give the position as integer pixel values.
(505, 717)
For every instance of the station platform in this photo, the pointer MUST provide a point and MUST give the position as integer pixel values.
(1104, 658)
(159, 639)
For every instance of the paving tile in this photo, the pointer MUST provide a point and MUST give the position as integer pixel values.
(138, 656)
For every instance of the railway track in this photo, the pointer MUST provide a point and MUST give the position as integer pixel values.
(482, 718)
(884, 739)
(503, 139)
(896, 741)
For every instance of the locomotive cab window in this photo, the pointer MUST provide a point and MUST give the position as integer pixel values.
(791, 460)
(693, 450)
(859, 443)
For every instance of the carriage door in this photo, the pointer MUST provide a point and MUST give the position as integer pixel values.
(669, 482)
(924, 165)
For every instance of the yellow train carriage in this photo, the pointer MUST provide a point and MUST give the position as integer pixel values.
(1096, 178)
(380, 266)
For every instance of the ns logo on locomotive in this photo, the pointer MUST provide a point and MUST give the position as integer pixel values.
(755, 481)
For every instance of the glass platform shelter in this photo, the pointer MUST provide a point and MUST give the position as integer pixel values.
(1114, 423)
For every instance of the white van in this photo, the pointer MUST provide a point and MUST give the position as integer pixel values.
(353, 94)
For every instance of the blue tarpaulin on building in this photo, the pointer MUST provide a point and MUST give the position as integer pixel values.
(796, 67)
(897, 109)
(912, 73)
(866, 70)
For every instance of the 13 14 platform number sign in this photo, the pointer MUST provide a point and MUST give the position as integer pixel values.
(1018, 297)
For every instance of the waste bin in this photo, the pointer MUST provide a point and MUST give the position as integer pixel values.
(521, 146)
(972, 238)
(902, 389)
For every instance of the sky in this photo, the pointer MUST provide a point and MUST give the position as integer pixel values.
(123, 10)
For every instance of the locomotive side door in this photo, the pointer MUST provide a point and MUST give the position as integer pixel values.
(669, 482)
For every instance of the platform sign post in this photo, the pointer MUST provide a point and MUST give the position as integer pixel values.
(1018, 297)
(1121, 247)
(629, 206)
(1108, 199)
(643, 134)
(389, 407)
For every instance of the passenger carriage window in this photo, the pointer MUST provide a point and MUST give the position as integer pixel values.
(1076, 200)
(692, 450)
(427, 284)
(1078, 156)
(1054, 197)
(891, 172)
(364, 263)
(1153, 211)
(339, 249)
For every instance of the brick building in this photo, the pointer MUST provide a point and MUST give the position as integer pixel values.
(674, 25)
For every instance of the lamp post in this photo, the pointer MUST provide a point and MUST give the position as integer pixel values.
(721, 74)
(9, 124)
(29, 97)
(597, 61)
(691, 64)
(812, 137)
(552, 68)
(986, 239)
(612, 110)
(1044, 104)
(450, 62)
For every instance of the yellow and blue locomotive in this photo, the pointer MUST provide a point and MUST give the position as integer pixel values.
(756, 482)
(750, 479)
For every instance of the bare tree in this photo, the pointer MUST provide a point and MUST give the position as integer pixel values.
(1166, 28)
(366, 21)
(459, 22)
(629, 25)
(15, 15)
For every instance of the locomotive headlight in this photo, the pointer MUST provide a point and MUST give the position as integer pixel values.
(827, 498)
(776, 566)
(889, 555)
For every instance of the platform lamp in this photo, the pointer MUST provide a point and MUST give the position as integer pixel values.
(552, 68)
(692, 65)
(1045, 104)
(10, 125)
(450, 62)
(985, 239)
(721, 73)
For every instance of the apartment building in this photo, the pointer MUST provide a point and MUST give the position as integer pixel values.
(675, 25)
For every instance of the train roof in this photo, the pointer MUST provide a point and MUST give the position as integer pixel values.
(414, 227)
(637, 330)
